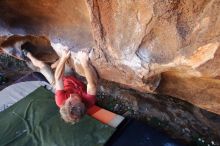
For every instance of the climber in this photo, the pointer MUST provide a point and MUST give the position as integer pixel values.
(71, 96)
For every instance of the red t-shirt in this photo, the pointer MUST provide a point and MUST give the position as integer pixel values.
(72, 85)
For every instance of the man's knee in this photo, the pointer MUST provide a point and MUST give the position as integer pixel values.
(48, 73)
(41, 64)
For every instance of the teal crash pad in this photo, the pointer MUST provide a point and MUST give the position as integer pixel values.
(35, 121)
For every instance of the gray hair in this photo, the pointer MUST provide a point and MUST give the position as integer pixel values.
(72, 114)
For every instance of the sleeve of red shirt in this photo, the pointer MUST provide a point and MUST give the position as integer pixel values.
(60, 97)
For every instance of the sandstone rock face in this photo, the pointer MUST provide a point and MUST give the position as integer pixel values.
(63, 21)
(140, 40)
(158, 46)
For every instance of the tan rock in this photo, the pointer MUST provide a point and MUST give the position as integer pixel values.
(142, 39)
(171, 46)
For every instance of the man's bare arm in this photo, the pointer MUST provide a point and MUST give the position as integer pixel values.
(90, 73)
(60, 70)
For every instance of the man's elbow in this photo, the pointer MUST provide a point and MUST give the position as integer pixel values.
(92, 89)
(56, 78)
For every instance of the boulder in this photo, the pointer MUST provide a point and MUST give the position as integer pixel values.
(155, 46)
(138, 41)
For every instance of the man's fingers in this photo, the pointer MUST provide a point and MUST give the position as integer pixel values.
(68, 54)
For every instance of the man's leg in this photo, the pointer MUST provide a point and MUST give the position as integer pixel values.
(44, 68)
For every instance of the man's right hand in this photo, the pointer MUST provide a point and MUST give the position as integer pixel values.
(65, 54)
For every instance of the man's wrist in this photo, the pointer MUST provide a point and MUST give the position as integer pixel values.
(63, 59)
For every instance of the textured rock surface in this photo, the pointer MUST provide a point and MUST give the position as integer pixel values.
(165, 46)
(41, 48)
(180, 119)
(139, 40)
(63, 21)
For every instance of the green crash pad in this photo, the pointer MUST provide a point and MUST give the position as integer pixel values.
(35, 121)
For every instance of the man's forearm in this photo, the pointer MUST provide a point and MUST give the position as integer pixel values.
(60, 69)
(90, 75)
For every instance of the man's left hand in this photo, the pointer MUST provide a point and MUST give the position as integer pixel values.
(83, 57)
